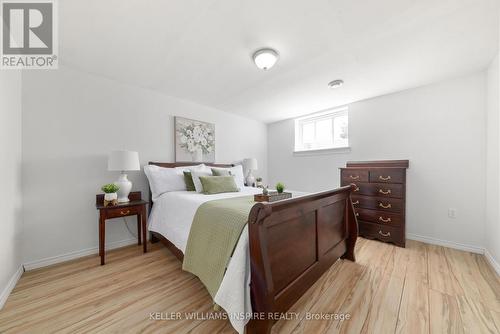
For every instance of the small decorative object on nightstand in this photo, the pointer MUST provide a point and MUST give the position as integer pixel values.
(134, 207)
(110, 195)
(280, 187)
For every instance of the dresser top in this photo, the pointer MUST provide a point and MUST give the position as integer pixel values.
(379, 163)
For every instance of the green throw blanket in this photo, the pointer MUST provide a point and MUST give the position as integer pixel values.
(216, 229)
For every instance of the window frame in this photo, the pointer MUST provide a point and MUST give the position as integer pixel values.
(315, 117)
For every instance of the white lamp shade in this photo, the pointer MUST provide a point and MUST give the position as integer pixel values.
(123, 160)
(250, 164)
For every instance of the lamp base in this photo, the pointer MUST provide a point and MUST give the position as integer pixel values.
(125, 187)
(250, 180)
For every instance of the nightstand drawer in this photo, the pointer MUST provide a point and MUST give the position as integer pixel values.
(123, 212)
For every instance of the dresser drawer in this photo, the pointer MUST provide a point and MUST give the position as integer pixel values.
(377, 189)
(387, 175)
(123, 212)
(381, 232)
(378, 203)
(379, 217)
(349, 175)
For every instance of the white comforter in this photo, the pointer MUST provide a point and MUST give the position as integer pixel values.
(172, 216)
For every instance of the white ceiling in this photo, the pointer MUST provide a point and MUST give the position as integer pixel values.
(200, 50)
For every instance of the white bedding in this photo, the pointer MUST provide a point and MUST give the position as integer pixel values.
(172, 216)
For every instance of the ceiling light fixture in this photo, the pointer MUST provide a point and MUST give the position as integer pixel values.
(265, 58)
(335, 83)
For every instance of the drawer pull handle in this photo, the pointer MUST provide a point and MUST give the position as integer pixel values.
(385, 192)
(384, 178)
(354, 177)
(356, 188)
(388, 206)
(388, 234)
(354, 203)
(388, 220)
(125, 212)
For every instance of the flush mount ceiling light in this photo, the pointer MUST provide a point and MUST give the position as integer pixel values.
(265, 58)
(335, 83)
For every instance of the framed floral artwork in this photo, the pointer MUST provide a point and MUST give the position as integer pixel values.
(194, 140)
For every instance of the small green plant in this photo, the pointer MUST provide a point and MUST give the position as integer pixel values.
(280, 187)
(259, 179)
(110, 188)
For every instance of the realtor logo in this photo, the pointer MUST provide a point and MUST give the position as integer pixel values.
(29, 39)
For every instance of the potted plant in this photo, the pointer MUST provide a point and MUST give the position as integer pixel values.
(280, 187)
(110, 195)
(258, 183)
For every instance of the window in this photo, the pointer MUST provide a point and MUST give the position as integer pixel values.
(326, 130)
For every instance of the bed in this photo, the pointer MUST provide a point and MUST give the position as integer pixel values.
(283, 250)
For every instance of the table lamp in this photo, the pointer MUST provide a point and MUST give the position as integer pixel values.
(250, 164)
(123, 161)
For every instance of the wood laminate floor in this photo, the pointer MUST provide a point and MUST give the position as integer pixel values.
(419, 289)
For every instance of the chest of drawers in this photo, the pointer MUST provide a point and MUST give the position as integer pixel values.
(379, 198)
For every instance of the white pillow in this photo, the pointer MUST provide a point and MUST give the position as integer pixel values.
(237, 172)
(183, 169)
(197, 168)
(196, 173)
(162, 180)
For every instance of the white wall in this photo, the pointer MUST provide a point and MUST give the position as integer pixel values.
(440, 128)
(71, 120)
(10, 169)
(492, 163)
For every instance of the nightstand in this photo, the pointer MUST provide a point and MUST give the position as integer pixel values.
(136, 207)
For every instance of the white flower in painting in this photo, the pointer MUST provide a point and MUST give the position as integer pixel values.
(194, 137)
(197, 132)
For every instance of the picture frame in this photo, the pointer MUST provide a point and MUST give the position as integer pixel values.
(194, 140)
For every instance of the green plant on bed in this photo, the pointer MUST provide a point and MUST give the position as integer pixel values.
(110, 188)
(280, 187)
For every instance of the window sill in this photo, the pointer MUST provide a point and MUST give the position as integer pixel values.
(324, 151)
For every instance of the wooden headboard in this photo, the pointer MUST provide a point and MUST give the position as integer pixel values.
(180, 164)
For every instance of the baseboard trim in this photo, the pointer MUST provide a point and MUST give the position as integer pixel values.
(445, 243)
(75, 255)
(492, 261)
(10, 286)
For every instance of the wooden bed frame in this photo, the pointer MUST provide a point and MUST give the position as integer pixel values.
(292, 243)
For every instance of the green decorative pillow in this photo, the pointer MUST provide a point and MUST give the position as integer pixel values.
(221, 172)
(218, 184)
(188, 178)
